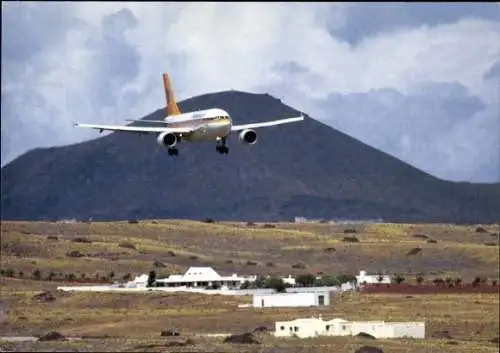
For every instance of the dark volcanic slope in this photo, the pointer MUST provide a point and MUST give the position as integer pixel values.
(302, 169)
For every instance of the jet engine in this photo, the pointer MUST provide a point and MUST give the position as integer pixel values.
(248, 136)
(167, 139)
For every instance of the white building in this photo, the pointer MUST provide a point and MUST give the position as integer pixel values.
(363, 278)
(138, 282)
(319, 298)
(303, 328)
(289, 280)
(203, 277)
(339, 327)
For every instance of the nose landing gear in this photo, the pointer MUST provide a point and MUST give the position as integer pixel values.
(221, 146)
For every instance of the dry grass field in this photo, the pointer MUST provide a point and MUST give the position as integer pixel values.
(132, 322)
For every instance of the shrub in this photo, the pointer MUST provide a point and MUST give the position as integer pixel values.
(9, 272)
(193, 257)
(345, 278)
(151, 278)
(494, 282)
(380, 277)
(251, 263)
(133, 221)
(350, 231)
(476, 281)
(420, 278)
(350, 240)
(229, 261)
(327, 281)
(208, 220)
(398, 279)
(421, 236)
(158, 264)
(299, 265)
(305, 280)
(458, 281)
(20, 274)
(480, 230)
(127, 277)
(171, 253)
(74, 253)
(432, 241)
(52, 237)
(267, 225)
(449, 281)
(438, 281)
(275, 283)
(330, 250)
(50, 276)
(414, 251)
(36, 274)
(82, 240)
(269, 264)
(245, 285)
(111, 275)
(127, 245)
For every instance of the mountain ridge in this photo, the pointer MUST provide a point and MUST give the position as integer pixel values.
(302, 169)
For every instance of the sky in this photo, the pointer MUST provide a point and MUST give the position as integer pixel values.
(418, 81)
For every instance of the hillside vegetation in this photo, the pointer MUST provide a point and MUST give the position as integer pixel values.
(35, 254)
(174, 245)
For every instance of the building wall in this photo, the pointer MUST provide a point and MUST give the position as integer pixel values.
(302, 328)
(290, 299)
(316, 327)
(408, 329)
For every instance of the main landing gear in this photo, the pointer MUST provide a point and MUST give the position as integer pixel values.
(221, 146)
(173, 152)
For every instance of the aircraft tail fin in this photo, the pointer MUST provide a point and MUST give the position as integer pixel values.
(171, 108)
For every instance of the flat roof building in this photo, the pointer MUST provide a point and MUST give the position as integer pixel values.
(318, 298)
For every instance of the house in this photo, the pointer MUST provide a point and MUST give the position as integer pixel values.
(302, 328)
(203, 277)
(339, 327)
(318, 298)
(363, 278)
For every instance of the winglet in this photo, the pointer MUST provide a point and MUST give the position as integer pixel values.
(171, 108)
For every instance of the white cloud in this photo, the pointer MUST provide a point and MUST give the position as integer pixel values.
(103, 64)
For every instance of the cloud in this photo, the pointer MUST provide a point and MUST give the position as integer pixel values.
(411, 79)
(439, 127)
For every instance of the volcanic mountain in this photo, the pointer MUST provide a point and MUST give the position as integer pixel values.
(302, 169)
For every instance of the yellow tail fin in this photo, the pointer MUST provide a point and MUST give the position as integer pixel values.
(171, 108)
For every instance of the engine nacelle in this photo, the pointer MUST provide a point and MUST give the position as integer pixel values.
(248, 136)
(167, 139)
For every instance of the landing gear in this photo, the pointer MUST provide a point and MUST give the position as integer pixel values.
(173, 152)
(222, 149)
(221, 146)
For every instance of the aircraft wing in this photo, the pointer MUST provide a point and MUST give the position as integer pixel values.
(136, 129)
(266, 123)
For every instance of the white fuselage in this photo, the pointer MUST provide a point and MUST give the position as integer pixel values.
(208, 125)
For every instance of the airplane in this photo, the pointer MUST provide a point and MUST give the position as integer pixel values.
(204, 125)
